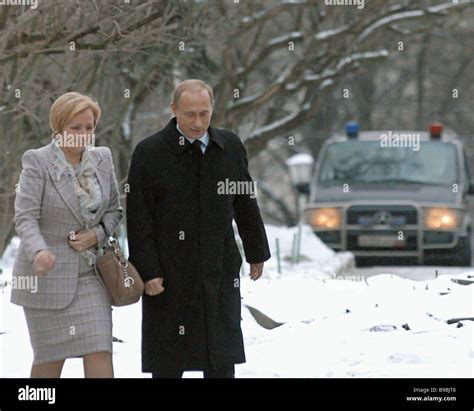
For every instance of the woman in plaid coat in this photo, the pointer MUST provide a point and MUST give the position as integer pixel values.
(66, 203)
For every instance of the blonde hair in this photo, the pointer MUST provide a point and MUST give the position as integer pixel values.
(192, 85)
(69, 105)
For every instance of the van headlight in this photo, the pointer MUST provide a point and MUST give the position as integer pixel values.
(441, 218)
(324, 218)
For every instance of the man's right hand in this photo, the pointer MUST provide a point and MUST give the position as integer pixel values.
(154, 287)
(43, 262)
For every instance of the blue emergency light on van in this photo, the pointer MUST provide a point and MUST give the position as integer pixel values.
(352, 129)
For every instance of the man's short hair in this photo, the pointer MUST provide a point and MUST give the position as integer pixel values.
(192, 85)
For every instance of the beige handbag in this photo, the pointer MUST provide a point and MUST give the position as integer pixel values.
(120, 277)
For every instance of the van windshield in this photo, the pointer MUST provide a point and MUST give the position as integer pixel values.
(368, 162)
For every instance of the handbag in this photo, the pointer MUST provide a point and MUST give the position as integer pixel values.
(120, 277)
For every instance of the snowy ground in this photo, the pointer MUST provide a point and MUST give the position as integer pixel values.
(384, 326)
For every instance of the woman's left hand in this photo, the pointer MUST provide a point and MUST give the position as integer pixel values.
(82, 240)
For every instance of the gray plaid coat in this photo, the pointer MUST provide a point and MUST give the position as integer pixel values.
(46, 212)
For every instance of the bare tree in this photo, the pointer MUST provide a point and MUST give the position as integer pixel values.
(116, 51)
(280, 63)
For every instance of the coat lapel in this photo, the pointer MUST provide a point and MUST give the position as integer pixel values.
(64, 185)
(101, 172)
(175, 140)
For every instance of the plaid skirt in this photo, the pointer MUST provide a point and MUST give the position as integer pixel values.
(83, 327)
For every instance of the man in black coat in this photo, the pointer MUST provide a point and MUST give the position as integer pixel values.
(188, 182)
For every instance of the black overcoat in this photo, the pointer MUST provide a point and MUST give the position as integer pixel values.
(179, 221)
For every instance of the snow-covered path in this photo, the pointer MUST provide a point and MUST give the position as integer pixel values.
(382, 326)
(385, 327)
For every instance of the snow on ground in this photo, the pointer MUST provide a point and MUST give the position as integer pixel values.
(384, 326)
(355, 329)
(316, 260)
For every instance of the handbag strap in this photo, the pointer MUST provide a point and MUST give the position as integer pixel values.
(112, 241)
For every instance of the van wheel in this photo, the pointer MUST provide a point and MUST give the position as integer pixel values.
(463, 252)
(459, 256)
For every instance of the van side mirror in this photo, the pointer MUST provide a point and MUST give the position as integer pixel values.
(470, 190)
